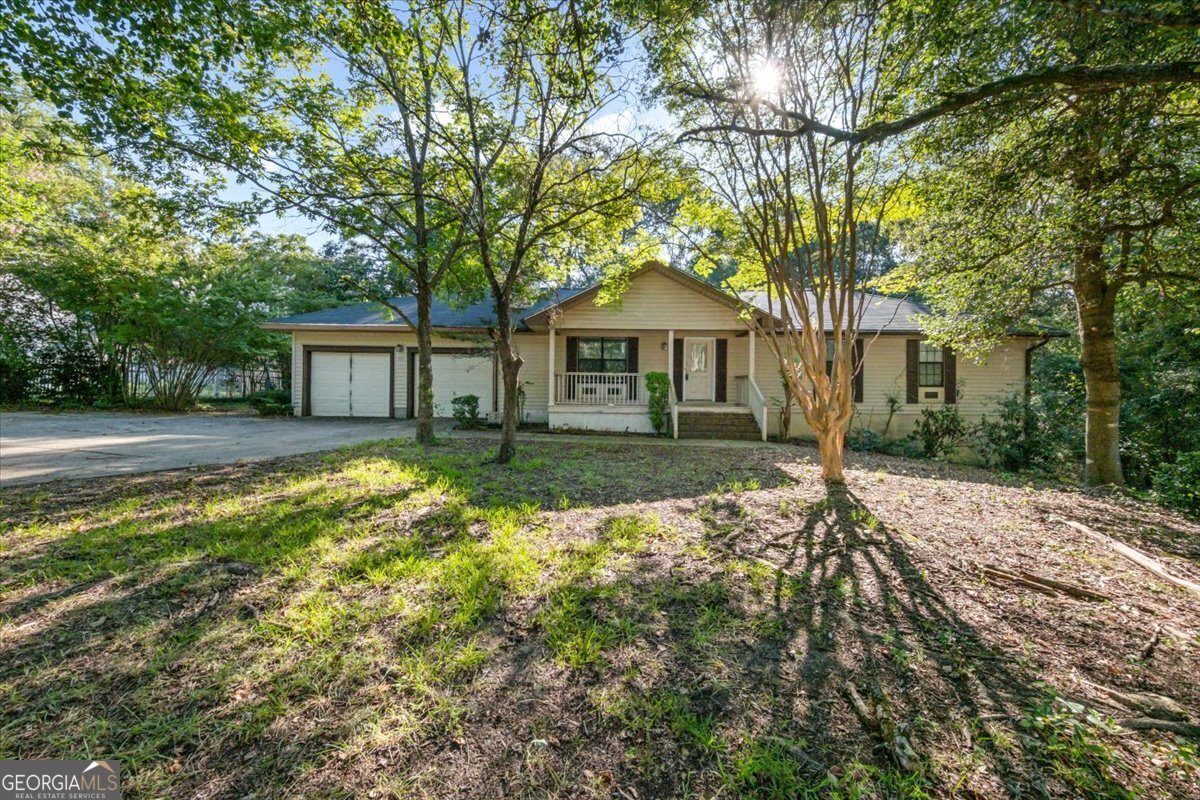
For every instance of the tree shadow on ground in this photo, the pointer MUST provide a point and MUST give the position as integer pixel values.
(733, 679)
(390, 621)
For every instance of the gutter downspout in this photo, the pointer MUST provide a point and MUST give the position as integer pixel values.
(1029, 364)
(1027, 423)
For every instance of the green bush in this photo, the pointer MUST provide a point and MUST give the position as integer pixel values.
(272, 402)
(864, 439)
(658, 387)
(939, 431)
(1178, 485)
(1005, 441)
(465, 410)
(17, 374)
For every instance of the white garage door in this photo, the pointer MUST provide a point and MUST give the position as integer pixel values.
(458, 374)
(349, 384)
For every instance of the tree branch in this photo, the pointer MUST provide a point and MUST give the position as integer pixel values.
(1082, 78)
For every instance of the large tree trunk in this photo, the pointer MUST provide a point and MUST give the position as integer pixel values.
(831, 442)
(1095, 299)
(510, 368)
(510, 371)
(424, 366)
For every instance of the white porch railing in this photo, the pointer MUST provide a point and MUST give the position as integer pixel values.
(758, 405)
(600, 389)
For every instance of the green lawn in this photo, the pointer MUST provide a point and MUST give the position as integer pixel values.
(593, 621)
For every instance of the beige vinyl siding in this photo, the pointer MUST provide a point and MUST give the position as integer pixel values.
(981, 385)
(653, 301)
(534, 350)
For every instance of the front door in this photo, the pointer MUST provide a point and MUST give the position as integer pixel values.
(698, 368)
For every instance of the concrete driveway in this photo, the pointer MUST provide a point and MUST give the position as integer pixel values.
(42, 447)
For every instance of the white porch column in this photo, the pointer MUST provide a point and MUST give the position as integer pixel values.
(550, 372)
(752, 352)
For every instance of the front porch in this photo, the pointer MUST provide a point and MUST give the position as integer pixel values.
(598, 381)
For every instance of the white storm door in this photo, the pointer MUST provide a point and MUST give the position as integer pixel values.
(699, 372)
(329, 384)
(370, 384)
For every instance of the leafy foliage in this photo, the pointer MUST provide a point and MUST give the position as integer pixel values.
(272, 403)
(658, 388)
(939, 431)
(99, 276)
(1074, 750)
(465, 409)
(1178, 485)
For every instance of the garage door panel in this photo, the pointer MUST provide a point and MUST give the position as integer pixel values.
(350, 384)
(459, 374)
(329, 384)
(370, 384)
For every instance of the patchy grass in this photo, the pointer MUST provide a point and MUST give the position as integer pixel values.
(595, 621)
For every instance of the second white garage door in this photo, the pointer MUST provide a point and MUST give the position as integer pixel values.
(458, 374)
(350, 384)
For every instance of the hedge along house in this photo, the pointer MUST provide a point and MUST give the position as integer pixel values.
(585, 364)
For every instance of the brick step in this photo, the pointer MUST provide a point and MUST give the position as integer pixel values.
(719, 428)
(719, 419)
(716, 416)
(718, 425)
(745, 436)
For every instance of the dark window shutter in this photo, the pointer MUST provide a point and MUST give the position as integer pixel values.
(913, 351)
(722, 370)
(677, 377)
(572, 364)
(572, 354)
(949, 375)
(859, 369)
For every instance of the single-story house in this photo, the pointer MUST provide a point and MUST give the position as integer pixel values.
(585, 363)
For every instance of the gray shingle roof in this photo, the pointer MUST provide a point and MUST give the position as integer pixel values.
(900, 315)
(443, 315)
(891, 314)
(880, 313)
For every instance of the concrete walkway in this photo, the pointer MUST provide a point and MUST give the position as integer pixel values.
(36, 447)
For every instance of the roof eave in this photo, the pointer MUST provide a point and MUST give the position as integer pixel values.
(368, 327)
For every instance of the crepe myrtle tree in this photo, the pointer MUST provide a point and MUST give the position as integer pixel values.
(540, 180)
(789, 210)
(975, 68)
